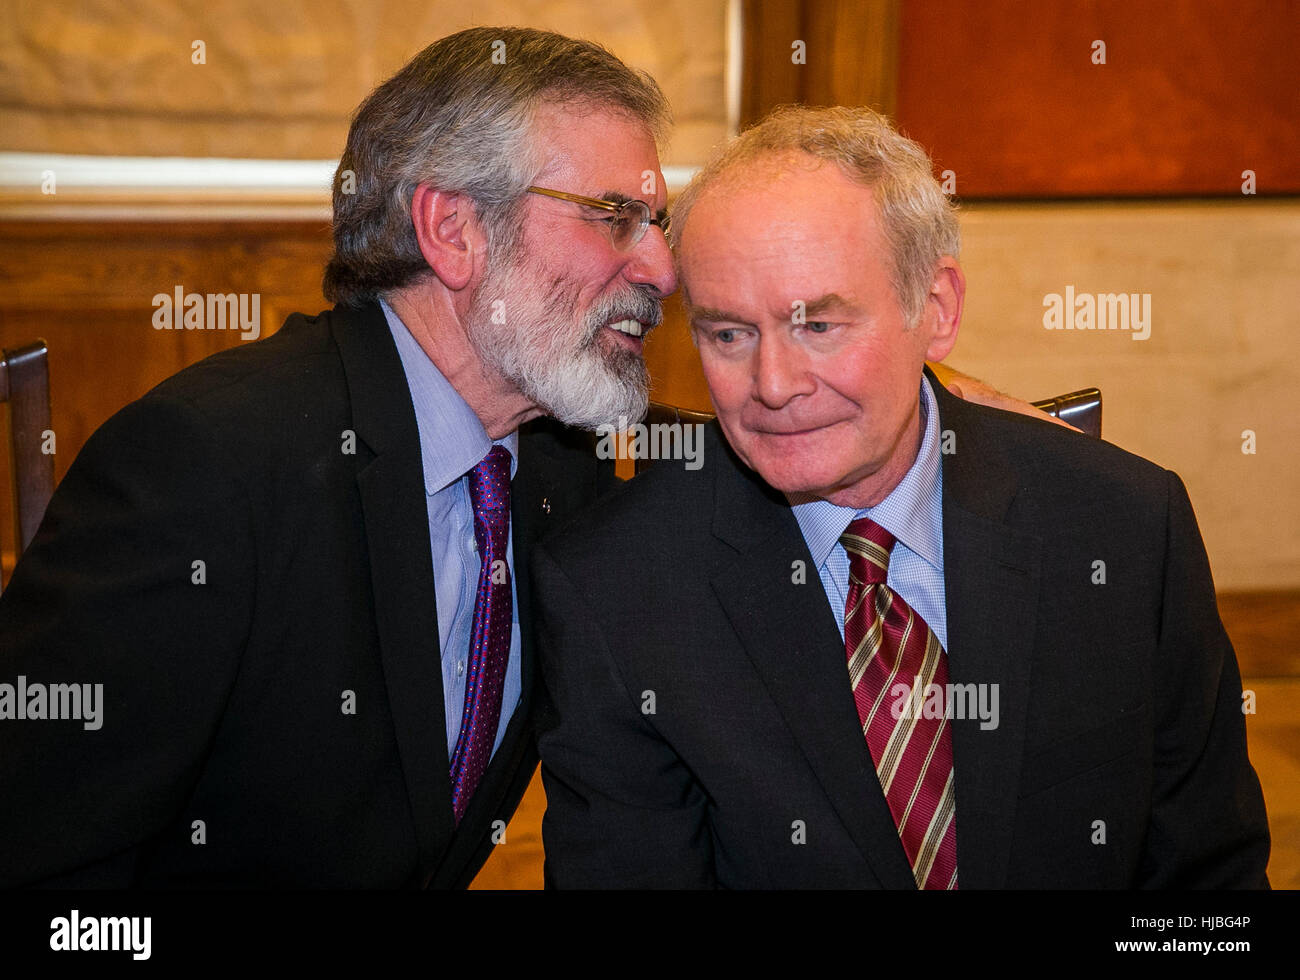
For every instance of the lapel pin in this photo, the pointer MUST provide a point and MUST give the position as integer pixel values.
(546, 505)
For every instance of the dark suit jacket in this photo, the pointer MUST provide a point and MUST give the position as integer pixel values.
(224, 701)
(701, 720)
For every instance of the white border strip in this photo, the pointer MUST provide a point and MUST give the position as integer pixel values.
(26, 171)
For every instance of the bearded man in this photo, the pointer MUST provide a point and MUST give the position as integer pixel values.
(299, 568)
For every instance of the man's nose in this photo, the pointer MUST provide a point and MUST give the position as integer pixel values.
(652, 262)
(780, 372)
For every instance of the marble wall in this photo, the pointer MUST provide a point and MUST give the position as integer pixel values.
(1220, 359)
(280, 80)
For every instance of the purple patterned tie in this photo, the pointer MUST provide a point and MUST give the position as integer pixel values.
(489, 642)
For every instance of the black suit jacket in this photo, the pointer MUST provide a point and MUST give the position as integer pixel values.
(701, 730)
(290, 468)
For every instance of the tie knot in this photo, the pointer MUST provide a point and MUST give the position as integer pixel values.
(489, 481)
(868, 545)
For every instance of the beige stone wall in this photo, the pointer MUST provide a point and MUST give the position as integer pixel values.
(1220, 359)
(280, 79)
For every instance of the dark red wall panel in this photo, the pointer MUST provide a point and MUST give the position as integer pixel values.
(1193, 92)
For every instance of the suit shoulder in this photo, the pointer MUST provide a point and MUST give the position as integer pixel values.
(256, 405)
(1040, 445)
(672, 500)
(293, 362)
(1070, 473)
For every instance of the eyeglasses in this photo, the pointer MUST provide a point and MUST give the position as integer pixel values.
(630, 220)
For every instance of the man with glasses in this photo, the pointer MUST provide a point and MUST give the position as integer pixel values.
(299, 569)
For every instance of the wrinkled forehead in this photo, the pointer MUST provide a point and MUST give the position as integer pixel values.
(603, 146)
(782, 197)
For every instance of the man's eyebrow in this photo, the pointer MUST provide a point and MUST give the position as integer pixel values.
(707, 314)
(614, 197)
(831, 301)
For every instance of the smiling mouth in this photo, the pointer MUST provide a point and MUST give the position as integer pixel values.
(628, 335)
(796, 432)
(630, 328)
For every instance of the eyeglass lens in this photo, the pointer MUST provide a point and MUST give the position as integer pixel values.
(630, 224)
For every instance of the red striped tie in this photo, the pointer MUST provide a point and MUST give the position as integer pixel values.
(888, 644)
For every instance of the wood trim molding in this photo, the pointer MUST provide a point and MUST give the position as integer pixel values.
(851, 54)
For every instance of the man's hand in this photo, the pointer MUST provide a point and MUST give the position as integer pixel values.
(974, 390)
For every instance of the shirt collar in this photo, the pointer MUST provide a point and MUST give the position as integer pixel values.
(906, 512)
(452, 439)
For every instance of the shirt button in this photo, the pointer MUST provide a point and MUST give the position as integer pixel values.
(460, 668)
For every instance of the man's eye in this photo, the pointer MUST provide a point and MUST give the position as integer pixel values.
(725, 336)
(818, 326)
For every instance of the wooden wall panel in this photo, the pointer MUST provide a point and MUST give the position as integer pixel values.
(768, 76)
(1006, 94)
(87, 289)
(859, 42)
(850, 54)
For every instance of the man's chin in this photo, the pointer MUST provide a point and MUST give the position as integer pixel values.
(786, 475)
(617, 408)
(778, 474)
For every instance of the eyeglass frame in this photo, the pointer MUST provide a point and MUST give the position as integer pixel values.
(636, 204)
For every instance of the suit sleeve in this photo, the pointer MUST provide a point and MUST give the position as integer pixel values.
(1208, 828)
(622, 810)
(138, 589)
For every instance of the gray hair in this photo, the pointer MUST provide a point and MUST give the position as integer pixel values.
(459, 117)
(918, 220)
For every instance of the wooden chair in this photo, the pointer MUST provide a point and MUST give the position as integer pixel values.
(1082, 409)
(25, 385)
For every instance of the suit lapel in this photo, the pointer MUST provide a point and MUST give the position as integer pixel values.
(991, 583)
(556, 475)
(391, 487)
(535, 499)
(799, 655)
(556, 478)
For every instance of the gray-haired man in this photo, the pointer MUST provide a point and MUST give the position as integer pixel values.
(299, 568)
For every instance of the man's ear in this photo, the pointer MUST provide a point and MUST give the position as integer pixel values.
(451, 238)
(943, 308)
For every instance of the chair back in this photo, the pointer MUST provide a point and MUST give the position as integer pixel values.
(1082, 409)
(25, 385)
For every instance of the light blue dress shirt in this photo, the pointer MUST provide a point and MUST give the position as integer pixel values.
(912, 513)
(452, 442)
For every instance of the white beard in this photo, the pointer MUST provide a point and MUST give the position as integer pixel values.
(556, 361)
